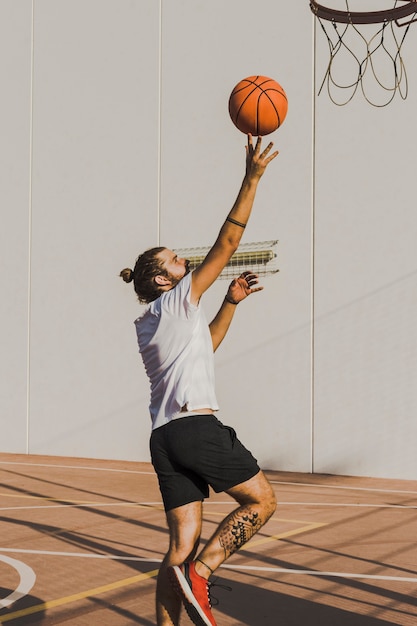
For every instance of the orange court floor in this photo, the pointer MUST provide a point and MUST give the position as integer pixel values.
(81, 541)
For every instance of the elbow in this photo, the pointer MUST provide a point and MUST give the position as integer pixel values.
(233, 243)
(229, 238)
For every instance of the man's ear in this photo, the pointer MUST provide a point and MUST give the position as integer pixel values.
(162, 281)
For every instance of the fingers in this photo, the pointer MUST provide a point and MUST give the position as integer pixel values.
(264, 154)
(256, 152)
(271, 157)
(251, 280)
(267, 149)
(255, 289)
(250, 148)
(248, 275)
(243, 286)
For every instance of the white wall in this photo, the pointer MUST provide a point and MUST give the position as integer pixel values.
(366, 283)
(15, 72)
(131, 146)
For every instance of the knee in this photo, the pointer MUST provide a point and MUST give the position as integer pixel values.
(257, 492)
(184, 549)
(266, 502)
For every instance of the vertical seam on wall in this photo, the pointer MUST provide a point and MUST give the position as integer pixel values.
(159, 191)
(29, 291)
(313, 242)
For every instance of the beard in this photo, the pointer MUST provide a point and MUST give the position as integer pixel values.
(174, 279)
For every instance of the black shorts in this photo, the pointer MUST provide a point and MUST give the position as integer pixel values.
(196, 451)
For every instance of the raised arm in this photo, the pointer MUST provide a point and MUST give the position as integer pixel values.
(232, 230)
(239, 289)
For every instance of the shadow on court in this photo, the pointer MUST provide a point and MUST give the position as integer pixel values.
(21, 605)
(98, 611)
(254, 606)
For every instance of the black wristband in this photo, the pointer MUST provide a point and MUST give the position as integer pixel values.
(229, 300)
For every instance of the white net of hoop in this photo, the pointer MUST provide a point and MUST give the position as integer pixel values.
(365, 57)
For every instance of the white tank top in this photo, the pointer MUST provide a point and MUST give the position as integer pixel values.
(177, 351)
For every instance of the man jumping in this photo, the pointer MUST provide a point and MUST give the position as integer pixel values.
(190, 448)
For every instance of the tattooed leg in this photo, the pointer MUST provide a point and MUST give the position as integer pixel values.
(238, 528)
(257, 503)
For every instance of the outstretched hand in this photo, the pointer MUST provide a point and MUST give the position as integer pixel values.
(243, 286)
(257, 161)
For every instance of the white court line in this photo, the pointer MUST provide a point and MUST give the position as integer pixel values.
(354, 504)
(97, 505)
(151, 473)
(79, 467)
(378, 490)
(308, 572)
(27, 580)
(252, 568)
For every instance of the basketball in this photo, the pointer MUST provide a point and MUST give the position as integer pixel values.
(258, 105)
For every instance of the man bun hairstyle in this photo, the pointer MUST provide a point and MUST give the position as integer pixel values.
(127, 275)
(147, 267)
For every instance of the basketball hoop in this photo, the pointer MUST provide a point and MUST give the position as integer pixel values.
(371, 55)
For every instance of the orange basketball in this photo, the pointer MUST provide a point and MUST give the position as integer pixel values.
(258, 105)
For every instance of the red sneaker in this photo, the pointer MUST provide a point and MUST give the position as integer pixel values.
(194, 592)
